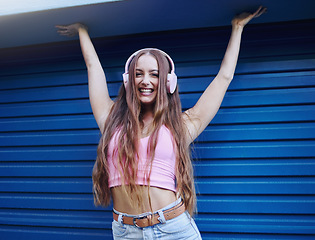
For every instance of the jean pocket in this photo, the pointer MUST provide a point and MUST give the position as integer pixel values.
(119, 230)
(178, 224)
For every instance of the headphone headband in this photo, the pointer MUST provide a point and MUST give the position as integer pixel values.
(171, 77)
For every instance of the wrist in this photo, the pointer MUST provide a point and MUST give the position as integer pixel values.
(237, 27)
(82, 30)
(82, 27)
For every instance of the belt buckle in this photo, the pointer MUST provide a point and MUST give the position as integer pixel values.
(135, 223)
(149, 217)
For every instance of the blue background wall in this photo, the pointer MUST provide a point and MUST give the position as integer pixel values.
(254, 164)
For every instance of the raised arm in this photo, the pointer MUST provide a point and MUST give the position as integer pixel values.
(198, 117)
(100, 101)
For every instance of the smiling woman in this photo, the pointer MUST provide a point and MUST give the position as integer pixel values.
(24, 6)
(143, 161)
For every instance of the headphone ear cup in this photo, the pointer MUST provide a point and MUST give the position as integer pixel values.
(171, 82)
(126, 79)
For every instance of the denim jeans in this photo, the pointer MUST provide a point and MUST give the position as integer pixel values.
(181, 227)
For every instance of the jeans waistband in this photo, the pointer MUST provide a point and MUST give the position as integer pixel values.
(149, 213)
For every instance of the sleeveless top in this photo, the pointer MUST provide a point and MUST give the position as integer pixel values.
(163, 165)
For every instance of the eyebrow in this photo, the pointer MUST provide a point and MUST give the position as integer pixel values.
(152, 70)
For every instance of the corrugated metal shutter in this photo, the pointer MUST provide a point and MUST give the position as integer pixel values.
(254, 164)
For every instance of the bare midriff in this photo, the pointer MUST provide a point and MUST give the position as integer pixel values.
(160, 198)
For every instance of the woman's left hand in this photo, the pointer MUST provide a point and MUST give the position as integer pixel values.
(242, 19)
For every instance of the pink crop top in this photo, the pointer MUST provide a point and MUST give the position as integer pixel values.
(163, 166)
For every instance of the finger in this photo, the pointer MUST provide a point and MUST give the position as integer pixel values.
(257, 11)
(63, 33)
(61, 26)
(260, 11)
(264, 10)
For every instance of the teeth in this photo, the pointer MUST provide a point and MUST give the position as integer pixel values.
(146, 90)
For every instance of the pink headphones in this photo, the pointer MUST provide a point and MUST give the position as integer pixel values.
(171, 77)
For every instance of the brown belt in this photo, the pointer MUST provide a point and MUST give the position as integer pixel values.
(152, 219)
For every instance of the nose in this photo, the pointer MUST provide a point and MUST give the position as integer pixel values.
(146, 79)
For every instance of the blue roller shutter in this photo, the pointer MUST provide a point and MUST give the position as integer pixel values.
(254, 164)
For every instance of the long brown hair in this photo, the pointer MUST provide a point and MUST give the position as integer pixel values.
(126, 116)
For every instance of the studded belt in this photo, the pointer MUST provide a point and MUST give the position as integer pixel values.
(152, 219)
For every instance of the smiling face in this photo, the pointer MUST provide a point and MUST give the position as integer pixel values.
(147, 80)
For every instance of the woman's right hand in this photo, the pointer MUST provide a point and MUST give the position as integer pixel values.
(70, 30)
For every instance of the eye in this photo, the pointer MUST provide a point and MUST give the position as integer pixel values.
(138, 74)
(156, 75)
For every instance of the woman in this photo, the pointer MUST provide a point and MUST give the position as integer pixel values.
(143, 160)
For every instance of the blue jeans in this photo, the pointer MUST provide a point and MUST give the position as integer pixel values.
(181, 227)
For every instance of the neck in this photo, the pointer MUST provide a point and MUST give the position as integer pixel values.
(145, 108)
(147, 111)
(146, 122)
(146, 117)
